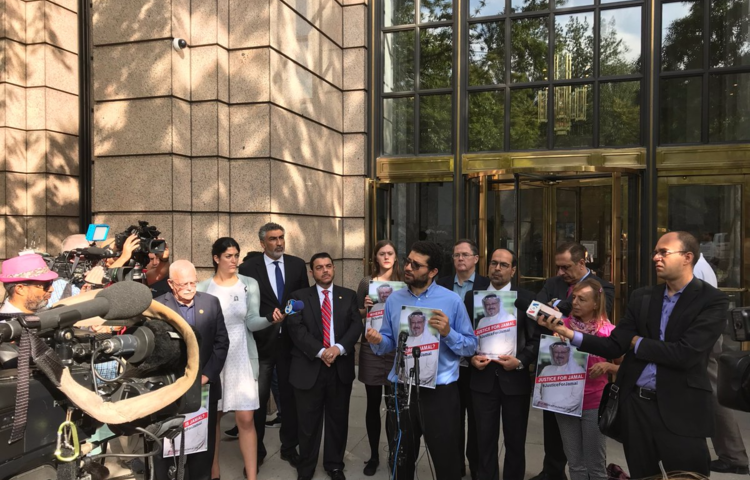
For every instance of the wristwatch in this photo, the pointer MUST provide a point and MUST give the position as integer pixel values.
(520, 365)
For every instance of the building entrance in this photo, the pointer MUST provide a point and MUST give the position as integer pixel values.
(533, 212)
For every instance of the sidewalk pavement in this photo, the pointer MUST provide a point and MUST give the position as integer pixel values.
(358, 450)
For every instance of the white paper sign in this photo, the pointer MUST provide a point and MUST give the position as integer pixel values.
(560, 377)
(196, 431)
(416, 322)
(495, 323)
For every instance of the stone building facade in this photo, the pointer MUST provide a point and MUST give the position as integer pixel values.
(260, 118)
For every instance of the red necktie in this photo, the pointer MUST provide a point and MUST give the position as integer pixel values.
(326, 314)
(570, 290)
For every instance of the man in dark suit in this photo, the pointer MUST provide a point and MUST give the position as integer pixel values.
(570, 261)
(203, 312)
(502, 386)
(465, 258)
(278, 275)
(667, 333)
(324, 334)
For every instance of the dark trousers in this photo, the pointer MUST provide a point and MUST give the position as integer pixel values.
(436, 417)
(329, 399)
(554, 456)
(514, 411)
(197, 465)
(646, 441)
(467, 410)
(372, 418)
(288, 430)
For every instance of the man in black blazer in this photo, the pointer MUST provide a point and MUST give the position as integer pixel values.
(666, 334)
(502, 386)
(324, 334)
(570, 261)
(278, 275)
(203, 312)
(465, 258)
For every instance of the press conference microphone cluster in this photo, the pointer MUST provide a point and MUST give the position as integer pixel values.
(121, 300)
(536, 309)
(402, 337)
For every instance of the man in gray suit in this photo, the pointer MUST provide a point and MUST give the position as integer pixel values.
(203, 312)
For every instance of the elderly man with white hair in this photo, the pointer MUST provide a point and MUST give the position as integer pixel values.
(203, 312)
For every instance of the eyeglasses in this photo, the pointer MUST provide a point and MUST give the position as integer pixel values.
(180, 286)
(463, 255)
(408, 262)
(43, 285)
(565, 268)
(494, 264)
(664, 253)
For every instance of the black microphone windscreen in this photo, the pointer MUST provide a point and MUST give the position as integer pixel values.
(402, 337)
(126, 299)
(298, 305)
(521, 304)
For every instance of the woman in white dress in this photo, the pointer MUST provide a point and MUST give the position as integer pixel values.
(240, 299)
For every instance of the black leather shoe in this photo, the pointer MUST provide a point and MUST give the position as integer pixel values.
(292, 457)
(336, 474)
(545, 476)
(720, 466)
(371, 466)
(233, 432)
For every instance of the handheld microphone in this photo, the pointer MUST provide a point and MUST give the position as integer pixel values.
(537, 309)
(416, 352)
(294, 306)
(137, 346)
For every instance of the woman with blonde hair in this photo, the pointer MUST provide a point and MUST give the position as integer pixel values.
(583, 443)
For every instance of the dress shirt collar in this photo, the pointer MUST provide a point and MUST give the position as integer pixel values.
(430, 290)
(269, 261)
(677, 293)
(470, 279)
(9, 308)
(320, 291)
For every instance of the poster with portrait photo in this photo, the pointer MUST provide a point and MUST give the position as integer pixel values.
(560, 377)
(495, 322)
(416, 322)
(379, 292)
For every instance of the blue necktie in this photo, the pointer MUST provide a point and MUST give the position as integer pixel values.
(279, 283)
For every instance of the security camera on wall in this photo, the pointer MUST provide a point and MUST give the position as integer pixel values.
(179, 44)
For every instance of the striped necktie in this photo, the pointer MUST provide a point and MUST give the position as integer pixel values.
(326, 314)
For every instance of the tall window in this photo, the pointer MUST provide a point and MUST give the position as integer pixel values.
(562, 75)
(417, 43)
(704, 86)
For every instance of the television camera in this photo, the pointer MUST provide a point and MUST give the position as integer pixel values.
(733, 382)
(53, 399)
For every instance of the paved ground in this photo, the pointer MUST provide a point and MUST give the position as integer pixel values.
(358, 449)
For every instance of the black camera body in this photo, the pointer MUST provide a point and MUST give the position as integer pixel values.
(149, 241)
(73, 265)
(733, 382)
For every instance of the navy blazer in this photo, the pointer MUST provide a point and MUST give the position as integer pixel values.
(306, 332)
(480, 283)
(295, 278)
(555, 287)
(213, 337)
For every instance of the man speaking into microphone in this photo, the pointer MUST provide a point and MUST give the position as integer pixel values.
(438, 407)
(203, 312)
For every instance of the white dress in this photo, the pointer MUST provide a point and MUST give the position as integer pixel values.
(239, 387)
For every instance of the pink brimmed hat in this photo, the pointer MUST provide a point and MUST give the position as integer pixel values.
(26, 268)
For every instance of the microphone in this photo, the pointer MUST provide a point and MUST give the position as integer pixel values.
(536, 309)
(121, 300)
(294, 306)
(416, 352)
(402, 337)
(137, 346)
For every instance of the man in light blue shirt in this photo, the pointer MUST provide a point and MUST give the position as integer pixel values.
(434, 412)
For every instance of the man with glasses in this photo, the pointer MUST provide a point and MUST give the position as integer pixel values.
(667, 333)
(570, 262)
(501, 387)
(436, 416)
(203, 312)
(28, 284)
(465, 258)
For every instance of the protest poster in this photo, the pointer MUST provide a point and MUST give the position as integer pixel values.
(495, 323)
(560, 377)
(379, 292)
(416, 322)
(196, 431)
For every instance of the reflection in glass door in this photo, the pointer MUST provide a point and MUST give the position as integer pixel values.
(712, 209)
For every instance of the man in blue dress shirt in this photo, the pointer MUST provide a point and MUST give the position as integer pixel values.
(436, 414)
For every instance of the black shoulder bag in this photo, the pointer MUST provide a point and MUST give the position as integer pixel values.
(609, 422)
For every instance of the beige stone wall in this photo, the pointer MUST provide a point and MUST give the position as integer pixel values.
(39, 165)
(261, 118)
